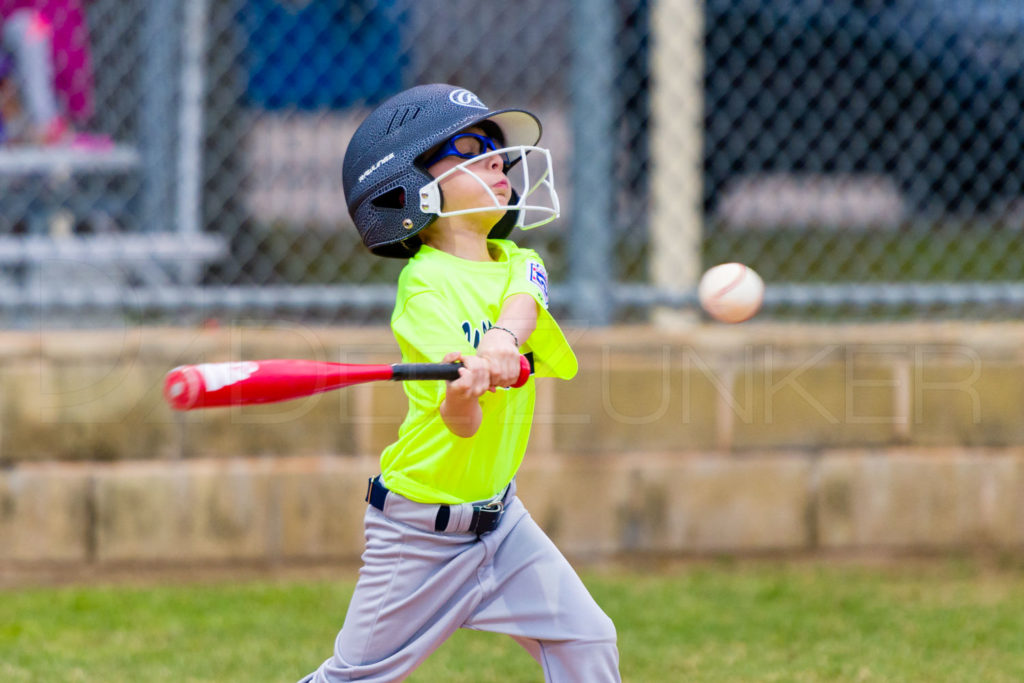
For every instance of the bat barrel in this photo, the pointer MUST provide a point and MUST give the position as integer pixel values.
(210, 385)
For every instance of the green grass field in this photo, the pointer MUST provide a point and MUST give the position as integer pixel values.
(941, 621)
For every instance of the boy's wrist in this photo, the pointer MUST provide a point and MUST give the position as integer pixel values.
(507, 331)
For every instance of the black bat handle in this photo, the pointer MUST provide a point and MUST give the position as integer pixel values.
(401, 372)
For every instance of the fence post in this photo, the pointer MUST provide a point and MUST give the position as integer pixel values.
(190, 140)
(592, 88)
(677, 112)
(157, 132)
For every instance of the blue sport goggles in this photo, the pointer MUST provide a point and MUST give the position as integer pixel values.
(467, 146)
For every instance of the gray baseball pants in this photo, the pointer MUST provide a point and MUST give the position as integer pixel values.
(417, 586)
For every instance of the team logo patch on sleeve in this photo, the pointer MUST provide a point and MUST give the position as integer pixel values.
(539, 277)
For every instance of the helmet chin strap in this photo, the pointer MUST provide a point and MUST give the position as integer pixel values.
(503, 228)
(431, 201)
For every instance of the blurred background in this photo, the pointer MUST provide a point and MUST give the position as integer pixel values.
(863, 155)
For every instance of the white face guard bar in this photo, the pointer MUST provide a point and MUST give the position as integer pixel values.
(520, 177)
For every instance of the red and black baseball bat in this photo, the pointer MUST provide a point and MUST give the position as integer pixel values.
(211, 385)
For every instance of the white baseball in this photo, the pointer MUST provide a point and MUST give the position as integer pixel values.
(731, 292)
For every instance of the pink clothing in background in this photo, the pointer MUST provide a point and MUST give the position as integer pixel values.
(72, 59)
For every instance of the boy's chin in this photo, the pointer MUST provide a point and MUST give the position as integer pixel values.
(483, 221)
(488, 219)
(492, 217)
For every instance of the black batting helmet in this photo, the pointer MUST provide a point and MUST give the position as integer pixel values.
(383, 171)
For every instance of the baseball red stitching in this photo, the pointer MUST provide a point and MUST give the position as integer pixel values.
(735, 283)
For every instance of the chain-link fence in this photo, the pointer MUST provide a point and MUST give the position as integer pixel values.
(863, 155)
(869, 142)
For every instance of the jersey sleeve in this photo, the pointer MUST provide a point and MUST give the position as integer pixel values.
(528, 276)
(552, 354)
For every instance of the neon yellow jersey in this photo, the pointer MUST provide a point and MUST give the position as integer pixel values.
(445, 304)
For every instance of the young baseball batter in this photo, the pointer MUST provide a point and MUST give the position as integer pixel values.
(434, 176)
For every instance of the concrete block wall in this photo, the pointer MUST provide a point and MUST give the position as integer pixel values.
(309, 509)
(717, 439)
(746, 388)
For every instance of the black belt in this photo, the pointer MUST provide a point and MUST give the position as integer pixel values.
(485, 517)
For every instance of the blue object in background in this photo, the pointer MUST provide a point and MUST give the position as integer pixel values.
(316, 54)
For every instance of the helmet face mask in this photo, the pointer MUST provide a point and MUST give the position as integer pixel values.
(385, 176)
(524, 186)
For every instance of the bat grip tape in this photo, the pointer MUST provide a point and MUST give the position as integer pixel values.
(401, 372)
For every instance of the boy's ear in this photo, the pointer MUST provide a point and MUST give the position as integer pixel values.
(503, 228)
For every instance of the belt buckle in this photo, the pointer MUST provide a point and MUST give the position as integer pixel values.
(486, 517)
(493, 506)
